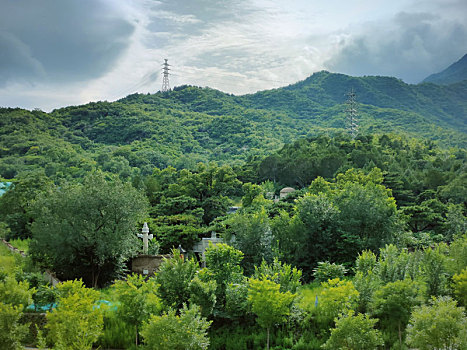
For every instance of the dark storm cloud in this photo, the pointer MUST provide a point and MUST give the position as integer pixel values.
(412, 47)
(59, 40)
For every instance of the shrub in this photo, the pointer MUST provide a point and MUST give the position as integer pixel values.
(441, 325)
(354, 333)
(11, 331)
(171, 332)
(76, 323)
(327, 271)
(337, 297)
(460, 286)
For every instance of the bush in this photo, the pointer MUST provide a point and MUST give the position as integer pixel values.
(441, 325)
(338, 297)
(76, 323)
(460, 286)
(171, 332)
(354, 333)
(15, 293)
(12, 333)
(327, 271)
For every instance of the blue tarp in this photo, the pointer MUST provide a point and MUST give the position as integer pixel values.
(4, 186)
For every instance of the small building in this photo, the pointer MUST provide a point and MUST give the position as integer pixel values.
(200, 247)
(285, 192)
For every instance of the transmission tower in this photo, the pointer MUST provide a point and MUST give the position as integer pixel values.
(165, 79)
(352, 121)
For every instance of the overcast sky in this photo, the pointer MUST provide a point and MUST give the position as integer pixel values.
(55, 53)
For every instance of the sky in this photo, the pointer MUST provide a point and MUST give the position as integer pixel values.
(55, 53)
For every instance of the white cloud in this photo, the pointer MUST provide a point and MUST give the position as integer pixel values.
(242, 46)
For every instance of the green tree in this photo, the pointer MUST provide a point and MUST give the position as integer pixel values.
(88, 231)
(137, 300)
(354, 333)
(17, 203)
(269, 304)
(174, 278)
(172, 332)
(77, 322)
(223, 264)
(326, 271)
(203, 292)
(460, 286)
(457, 255)
(15, 293)
(12, 332)
(393, 304)
(209, 185)
(434, 269)
(253, 237)
(288, 277)
(440, 325)
(337, 297)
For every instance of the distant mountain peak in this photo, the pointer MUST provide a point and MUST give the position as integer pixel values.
(455, 73)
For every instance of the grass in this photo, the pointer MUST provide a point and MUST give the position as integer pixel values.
(308, 294)
(8, 262)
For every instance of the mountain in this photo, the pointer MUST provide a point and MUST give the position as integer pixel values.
(190, 124)
(455, 73)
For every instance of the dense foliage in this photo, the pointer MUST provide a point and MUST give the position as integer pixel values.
(191, 124)
(375, 225)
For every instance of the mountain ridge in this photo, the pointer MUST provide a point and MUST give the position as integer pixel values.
(455, 73)
(189, 124)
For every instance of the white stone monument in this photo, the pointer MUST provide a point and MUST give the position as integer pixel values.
(145, 236)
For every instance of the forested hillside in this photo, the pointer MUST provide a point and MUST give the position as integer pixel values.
(369, 243)
(190, 124)
(455, 73)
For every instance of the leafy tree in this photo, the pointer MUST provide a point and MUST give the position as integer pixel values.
(440, 325)
(460, 286)
(434, 269)
(250, 193)
(17, 203)
(337, 297)
(312, 233)
(365, 262)
(285, 275)
(223, 264)
(174, 278)
(354, 333)
(253, 237)
(15, 293)
(12, 332)
(338, 220)
(87, 230)
(269, 304)
(76, 323)
(203, 292)
(326, 271)
(137, 300)
(172, 332)
(236, 300)
(394, 264)
(209, 185)
(455, 224)
(393, 304)
(457, 255)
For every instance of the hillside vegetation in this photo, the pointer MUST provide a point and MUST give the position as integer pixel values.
(190, 124)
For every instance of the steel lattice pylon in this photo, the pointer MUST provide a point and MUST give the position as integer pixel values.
(165, 79)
